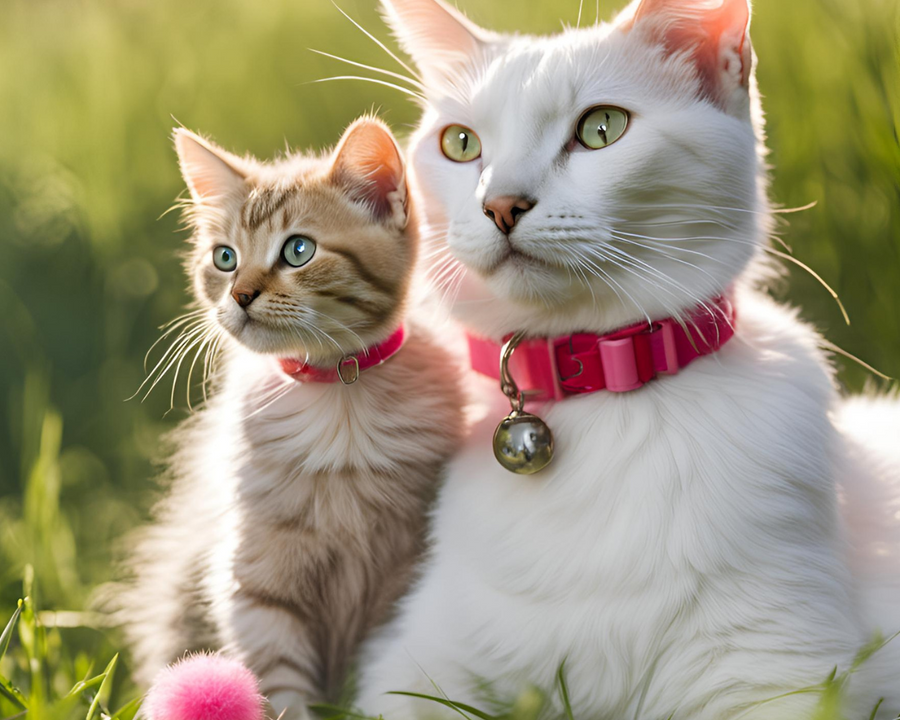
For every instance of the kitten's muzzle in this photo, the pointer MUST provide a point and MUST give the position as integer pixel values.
(244, 296)
(505, 210)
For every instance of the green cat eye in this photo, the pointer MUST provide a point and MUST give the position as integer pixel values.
(298, 250)
(460, 144)
(224, 258)
(601, 126)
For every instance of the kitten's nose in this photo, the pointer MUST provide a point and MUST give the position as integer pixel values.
(244, 296)
(506, 209)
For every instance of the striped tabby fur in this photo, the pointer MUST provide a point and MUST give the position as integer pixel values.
(296, 511)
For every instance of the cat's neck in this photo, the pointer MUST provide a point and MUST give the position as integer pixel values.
(495, 320)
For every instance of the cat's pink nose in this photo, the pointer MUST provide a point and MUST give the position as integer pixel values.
(505, 210)
(244, 296)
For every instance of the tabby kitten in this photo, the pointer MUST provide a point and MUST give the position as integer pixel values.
(298, 502)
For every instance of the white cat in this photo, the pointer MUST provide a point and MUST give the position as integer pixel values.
(712, 540)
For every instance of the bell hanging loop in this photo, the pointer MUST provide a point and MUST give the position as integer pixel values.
(508, 384)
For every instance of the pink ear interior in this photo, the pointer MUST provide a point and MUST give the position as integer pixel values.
(208, 170)
(367, 162)
(705, 28)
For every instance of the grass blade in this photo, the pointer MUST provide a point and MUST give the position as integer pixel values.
(7, 633)
(336, 712)
(83, 685)
(453, 705)
(127, 712)
(564, 690)
(12, 693)
(875, 709)
(105, 688)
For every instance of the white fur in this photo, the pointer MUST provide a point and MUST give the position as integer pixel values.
(708, 542)
(683, 552)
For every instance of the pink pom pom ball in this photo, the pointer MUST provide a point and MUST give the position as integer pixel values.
(204, 687)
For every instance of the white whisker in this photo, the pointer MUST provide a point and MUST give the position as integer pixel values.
(402, 89)
(390, 73)
(378, 42)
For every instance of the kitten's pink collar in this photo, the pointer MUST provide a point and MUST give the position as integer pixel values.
(555, 368)
(348, 368)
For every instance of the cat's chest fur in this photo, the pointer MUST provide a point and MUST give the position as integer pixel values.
(688, 508)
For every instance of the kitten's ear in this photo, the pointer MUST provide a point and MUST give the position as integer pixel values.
(716, 34)
(209, 171)
(437, 36)
(368, 165)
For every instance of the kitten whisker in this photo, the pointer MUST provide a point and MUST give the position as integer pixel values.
(192, 313)
(211, 336)
(179, 351)
(450, 287)
(172, 326)
(340, 325)
(184, 353)
(440, 271)
(273, 396)
(171, 352)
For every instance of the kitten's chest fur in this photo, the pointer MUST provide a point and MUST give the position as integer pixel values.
(330, 490)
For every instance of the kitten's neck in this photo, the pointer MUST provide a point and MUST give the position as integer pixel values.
(347, 369)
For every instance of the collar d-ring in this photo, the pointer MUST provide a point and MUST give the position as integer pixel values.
(352, 363)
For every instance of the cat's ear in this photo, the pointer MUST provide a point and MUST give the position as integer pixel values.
(715, 34)
(209, 171)
(437, 36)
(368, 164)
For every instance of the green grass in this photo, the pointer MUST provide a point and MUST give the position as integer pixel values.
(88, 93)
(44, 677)
(534, 703)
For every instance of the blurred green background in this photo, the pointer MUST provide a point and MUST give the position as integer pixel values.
(88, 92)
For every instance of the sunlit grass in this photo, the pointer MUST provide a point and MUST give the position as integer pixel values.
(88, 93)
(44, 677)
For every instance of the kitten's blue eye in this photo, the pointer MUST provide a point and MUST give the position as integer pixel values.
(224, 258)
(298, 250)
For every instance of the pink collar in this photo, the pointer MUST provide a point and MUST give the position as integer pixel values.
(348, 368)
(555, 368)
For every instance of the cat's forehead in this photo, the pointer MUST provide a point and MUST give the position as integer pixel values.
(545, 78)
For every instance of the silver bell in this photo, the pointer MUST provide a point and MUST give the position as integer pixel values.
(523, 443)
